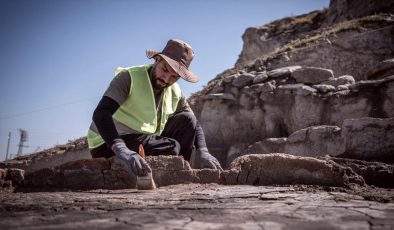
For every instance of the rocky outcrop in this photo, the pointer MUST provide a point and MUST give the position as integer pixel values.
(280, 106)
(267, 38)
(342, 10)
(326, 38)
(60, 154)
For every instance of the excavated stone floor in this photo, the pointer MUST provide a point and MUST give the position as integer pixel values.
(198, 206)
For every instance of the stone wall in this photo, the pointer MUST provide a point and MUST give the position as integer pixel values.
(247, 107)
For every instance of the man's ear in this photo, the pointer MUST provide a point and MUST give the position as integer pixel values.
(157, 59)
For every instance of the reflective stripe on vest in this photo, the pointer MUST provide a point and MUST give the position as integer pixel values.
(139, 111)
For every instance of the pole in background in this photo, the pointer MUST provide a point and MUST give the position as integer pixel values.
(23, 138)
(8, 145)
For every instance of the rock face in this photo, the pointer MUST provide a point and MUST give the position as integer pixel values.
(265, 39)
(313, 70)
(342, 10)
(280, 106)
(327, 39)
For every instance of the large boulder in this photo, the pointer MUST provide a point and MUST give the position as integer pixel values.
(312, 75)
(369, 139)
(315, 141)
(265, 169)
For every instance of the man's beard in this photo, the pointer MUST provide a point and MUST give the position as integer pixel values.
(159, 84)
(156, 82)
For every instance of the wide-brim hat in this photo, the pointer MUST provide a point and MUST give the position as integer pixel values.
(178, 54)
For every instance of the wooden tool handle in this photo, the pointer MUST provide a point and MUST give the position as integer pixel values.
(141, 151)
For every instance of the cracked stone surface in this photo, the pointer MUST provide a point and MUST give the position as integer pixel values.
(196, 206)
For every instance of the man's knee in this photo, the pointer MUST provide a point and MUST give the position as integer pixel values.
(186, 118)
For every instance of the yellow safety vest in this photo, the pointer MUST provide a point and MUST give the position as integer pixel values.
(139, 111)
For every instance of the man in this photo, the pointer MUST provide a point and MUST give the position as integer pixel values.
(144, 105)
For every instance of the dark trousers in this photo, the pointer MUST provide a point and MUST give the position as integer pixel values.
(177, 138)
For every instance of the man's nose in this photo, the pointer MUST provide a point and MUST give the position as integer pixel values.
(166, 78)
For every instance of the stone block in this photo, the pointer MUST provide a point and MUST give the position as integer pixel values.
(44, 178)
(260, 77)
(280, 169)
(324, 88)
(342, 80)
(206, 176)
(168, 163)
(87, 164)
(165, 177)
(2, 176)
(268, 87)
(17, 176)
(243, 80)
(369, 139)
(312, 75)
(282, 72)
(229, 177)
(315, 141)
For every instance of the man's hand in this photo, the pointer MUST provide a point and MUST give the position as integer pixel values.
(203, 159)
(131, 159)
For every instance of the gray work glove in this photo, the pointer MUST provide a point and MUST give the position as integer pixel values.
(133, 161)
(201, 158)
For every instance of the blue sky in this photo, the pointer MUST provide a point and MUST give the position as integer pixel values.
(57, 57)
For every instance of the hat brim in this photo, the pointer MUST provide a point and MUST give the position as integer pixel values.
(181, 70)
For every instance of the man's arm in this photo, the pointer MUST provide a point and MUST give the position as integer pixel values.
(102, 117)
(115, 95)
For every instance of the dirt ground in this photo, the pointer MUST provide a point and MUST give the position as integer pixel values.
(201, 206)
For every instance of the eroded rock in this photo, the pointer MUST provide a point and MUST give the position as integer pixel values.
(243, 80)
(315, 141)
(342, 80)
(264, 169)
(283, 71)
(369, 139)
(312, 75)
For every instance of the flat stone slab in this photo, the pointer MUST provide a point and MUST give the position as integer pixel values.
(195, 206)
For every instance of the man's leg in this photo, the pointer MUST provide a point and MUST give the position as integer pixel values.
(153, 145)
(182, 128)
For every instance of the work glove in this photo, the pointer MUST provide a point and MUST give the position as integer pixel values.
(132, 160)
(201, 158)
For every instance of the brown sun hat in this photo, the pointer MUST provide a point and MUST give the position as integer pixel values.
(178, 54)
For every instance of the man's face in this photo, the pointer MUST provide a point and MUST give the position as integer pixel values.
(163, 75)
